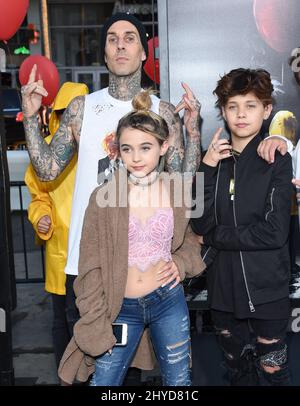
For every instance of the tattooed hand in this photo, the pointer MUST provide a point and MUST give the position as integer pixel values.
(191, 108)
(175, 153)
(32, 94)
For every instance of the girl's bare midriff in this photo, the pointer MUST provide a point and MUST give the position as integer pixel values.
(141, 283)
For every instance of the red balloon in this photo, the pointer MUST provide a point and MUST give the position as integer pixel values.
(12, 14)
(278, 23)
(151, 66)
(46, 70)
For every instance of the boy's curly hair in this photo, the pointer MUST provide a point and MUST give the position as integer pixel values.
(242, 81)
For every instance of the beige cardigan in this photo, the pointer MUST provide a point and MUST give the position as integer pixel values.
(100, 285)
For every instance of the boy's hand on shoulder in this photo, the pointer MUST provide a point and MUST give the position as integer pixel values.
(296, 182)
(267, 148)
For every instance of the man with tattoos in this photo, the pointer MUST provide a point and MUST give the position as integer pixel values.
(89, 124)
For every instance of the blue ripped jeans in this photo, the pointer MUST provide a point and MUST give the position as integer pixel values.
(166, 314)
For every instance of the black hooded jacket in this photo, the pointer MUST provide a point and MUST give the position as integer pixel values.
(248, 226)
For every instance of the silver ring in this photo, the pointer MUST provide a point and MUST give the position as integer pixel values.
(23, 89)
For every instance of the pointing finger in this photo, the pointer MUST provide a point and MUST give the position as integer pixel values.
(32, 74)
(217, 135)
(188, 90)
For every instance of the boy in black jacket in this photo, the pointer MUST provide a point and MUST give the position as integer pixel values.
(246, 219)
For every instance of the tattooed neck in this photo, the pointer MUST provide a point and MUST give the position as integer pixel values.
(124, 87)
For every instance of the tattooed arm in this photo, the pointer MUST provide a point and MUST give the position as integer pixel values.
(178, 158)
(191, 108)
(192, 156)
(175, 153)
(50, 160)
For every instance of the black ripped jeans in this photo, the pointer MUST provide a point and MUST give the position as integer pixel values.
(244, 356)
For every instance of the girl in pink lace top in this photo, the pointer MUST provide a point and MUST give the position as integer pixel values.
(150, 242)
(158, 257)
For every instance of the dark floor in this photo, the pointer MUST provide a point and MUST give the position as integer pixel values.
(33, 357)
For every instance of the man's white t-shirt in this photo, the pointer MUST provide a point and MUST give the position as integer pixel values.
(102, 113)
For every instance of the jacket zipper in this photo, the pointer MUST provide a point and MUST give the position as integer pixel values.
(216, 192)
(204, 256)
(251, 306)
(271, 202)
(217, 182)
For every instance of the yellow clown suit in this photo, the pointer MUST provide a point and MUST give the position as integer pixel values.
(54, 199)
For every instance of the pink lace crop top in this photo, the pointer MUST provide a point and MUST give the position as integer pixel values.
(150, 242)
